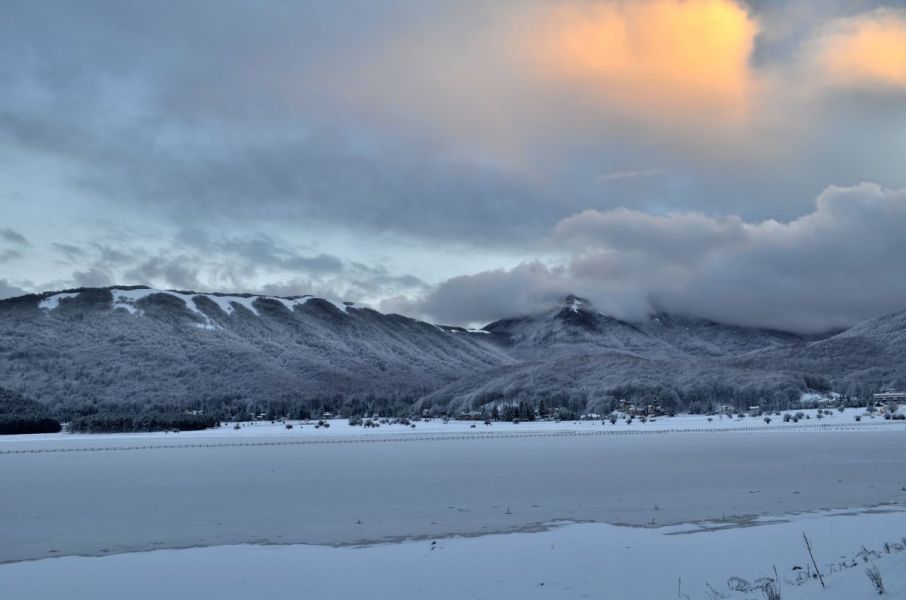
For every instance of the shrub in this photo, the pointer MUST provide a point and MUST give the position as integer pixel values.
(875, 577)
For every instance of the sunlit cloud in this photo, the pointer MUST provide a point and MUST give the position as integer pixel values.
(866, 50)
(658, 59)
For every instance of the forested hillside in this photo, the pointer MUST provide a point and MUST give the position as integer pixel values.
(126, 351)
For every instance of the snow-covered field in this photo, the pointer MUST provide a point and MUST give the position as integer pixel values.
(706, 560)
(559, 510)
(340, 428)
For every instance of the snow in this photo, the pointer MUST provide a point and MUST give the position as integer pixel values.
(126, 300)
(53, 302)
(589, 560)
(810, 397)
(81, 496)
(534, 510)
(292, 303)
(340, 428)
(226, 302)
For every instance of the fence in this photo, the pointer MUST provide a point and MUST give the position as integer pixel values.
(491, 435)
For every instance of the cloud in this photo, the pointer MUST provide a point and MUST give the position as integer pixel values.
(833, 267)
(178, 271)
(195, 259)
(866, 50)
(655, 59)
(10, 255)
(69, 251)
(681, 237)
(491, 295)
(319, 141)
(8, 290)
(13, 236)
(93, 277)
(630, 174)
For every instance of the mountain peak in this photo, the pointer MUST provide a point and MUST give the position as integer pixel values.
(575, 303)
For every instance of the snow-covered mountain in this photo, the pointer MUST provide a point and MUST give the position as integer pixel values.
(136, 345)
(107, 348)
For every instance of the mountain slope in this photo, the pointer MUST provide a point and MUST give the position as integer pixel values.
(119, 348)
(125, 346)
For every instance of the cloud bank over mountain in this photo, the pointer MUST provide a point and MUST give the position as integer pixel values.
(419, 154)
(837, 265)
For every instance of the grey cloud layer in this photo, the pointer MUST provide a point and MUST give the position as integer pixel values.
(12, 236)
(301, 112)
(844, 262)
(405, 120)
(194, 260)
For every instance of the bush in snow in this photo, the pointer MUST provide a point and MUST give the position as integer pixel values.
(771, 590)
(767, 420)
(858, 417)
(875, 577)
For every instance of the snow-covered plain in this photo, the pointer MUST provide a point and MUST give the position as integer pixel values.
(340, 428)
(654, 510)
(592, 560)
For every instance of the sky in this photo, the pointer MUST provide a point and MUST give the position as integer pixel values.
(463, 161)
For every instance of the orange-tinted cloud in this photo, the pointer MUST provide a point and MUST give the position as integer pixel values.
(865, 50)
(658, 59)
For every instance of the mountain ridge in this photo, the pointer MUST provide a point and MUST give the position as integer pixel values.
(96, 349)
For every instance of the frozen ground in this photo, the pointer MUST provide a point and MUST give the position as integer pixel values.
(574, 561)
(108, 502)
(339, 428)
(559, 510)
